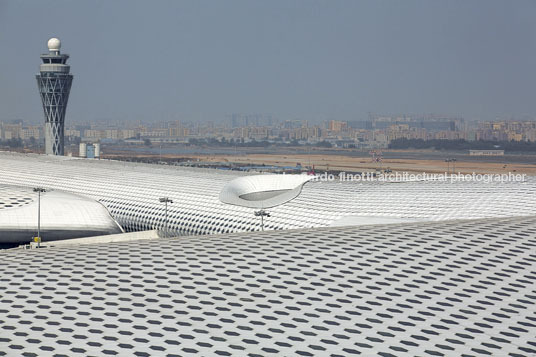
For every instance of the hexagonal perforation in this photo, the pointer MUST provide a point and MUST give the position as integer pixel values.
(443, 288)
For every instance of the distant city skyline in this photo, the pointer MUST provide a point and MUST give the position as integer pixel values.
(258, 130)
(310, 60)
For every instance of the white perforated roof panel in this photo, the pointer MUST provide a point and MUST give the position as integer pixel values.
(131, 193)
(438, 289)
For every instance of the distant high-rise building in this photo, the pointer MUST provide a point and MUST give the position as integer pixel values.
(337, 126)
(54, 82)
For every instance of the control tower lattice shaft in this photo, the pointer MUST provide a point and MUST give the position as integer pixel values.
(54, 83)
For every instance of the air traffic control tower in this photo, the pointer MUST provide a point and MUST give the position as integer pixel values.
(54, 82)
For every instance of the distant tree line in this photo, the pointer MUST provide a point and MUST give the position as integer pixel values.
(12, 143)
(461, 144)
(29, 142)
(253, 143)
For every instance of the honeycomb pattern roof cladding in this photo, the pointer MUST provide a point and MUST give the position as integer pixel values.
(440, 289)
(14, 197)
(63, 215)
(130, 191)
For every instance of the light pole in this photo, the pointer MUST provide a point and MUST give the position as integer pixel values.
(39, 190)
(262, 213)
(448, 165)
(453, 166)
(166, 200)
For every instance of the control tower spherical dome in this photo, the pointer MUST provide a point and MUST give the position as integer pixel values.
(54, 44)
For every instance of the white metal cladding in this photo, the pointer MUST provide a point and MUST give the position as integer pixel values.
(131, 191)
(15, 197)
(439, 289)
(263, 191)
(63, 215)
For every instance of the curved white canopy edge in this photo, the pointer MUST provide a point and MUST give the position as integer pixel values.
(263, 191)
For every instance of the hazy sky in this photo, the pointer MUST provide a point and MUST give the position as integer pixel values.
(190, 60)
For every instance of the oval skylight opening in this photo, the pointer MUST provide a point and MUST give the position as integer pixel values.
(263, 191)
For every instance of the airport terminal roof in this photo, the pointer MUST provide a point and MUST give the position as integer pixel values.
(63, 215)
(434, 288)
(131, 192)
